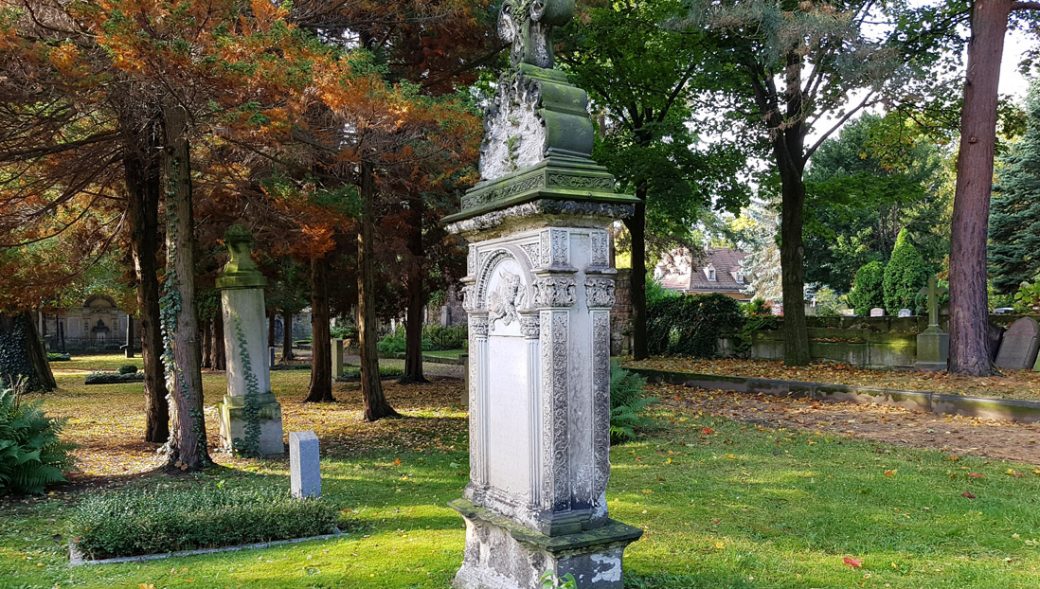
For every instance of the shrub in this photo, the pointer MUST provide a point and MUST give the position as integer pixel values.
(165, 519)
(691, 325)
(392, 344)
(868, 288)
(354, 372)
(32, 454)
(628, 401)
(348, 331)
(655, 292)
(452, 337)
(757, 307)
(1027, 298)
(905, 275)
(58, 357)
(128, 369)
(113, 377)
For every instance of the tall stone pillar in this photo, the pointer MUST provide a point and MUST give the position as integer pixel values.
(538, 292)
(250, 416)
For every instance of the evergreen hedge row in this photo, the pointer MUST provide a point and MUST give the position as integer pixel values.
(691, 325)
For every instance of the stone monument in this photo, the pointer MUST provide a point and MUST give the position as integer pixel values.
(539, 289)
(250, 416)
(304, 465)
(1018, 350)
(933, 344)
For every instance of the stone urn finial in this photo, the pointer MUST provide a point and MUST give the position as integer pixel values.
(527, 24)
(240, 271)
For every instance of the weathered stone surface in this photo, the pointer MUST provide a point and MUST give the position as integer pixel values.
(876, 312)
(933, 344)
(337, 358)
(903, 313)
(304, 465)
(1018, 351)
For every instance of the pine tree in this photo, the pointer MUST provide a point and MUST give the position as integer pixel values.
(1014, 230)
(905, 275)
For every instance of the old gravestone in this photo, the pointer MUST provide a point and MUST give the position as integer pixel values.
(1019, 349)
(539, 289)
(304, 465)
(876, 312)
(904, 313)
(933, 344)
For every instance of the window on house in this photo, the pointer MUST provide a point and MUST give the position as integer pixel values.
(709, 271)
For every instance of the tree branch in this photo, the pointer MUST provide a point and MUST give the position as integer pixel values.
(1025, 6)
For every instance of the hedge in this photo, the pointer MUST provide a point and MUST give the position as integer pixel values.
(691, 325)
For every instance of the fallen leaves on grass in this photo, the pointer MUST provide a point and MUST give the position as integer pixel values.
(854, 563)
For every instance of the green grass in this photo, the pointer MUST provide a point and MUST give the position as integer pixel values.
(452, 354)
(741, 508)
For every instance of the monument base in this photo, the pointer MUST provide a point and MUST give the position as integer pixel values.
(233, 423)
(502, 554)
(933, 349)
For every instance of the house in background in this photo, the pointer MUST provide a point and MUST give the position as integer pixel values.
(717, 271)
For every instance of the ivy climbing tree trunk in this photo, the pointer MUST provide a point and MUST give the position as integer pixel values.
(321, 345)
(376, 405)
(22, 357)
(143, 173)
(413, 360)
(187, 447)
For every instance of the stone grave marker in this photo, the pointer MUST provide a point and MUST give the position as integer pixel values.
(933, 344)
(903, 313)
(539, 289)
(304, 465)
(337, 358)
(876, 312)
(1019, 349)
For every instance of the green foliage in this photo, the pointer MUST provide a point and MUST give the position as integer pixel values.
(394, 344)
(32, 455)
(354, 372)
(868, 288)
(127, 369)
(549, 580)
(691, 325)
(827, 302)
(1014, 226)
(1027, 297)
(628, 402)
(435, 337)
(113, 377)
(166, 519)
(905, 275)
(348, 331)
(58, 357)
(756, 307)
(656, 293)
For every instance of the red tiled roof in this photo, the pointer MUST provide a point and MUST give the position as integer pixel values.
(726, 263)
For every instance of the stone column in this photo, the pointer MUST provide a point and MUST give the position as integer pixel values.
(337, 358)
(538, 291)
(250, 416)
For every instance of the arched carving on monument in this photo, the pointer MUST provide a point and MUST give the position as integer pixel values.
(503, 285)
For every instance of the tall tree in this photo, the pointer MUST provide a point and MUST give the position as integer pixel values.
(969, 297)
(1014, 229)
(806, 68)
(644, 80)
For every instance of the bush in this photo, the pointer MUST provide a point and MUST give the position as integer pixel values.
(392, 344)
(354, 372)
(453, 337)
(164, 519)
(113, 377)
(691, 325)
(868, 288)
(58, 357)
(628, 401)
(348, 331)
(32, 454)
(905, 275)
(127, 369)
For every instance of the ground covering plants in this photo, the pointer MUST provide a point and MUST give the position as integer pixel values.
(628, 404)
(165, 518)
(32, 453)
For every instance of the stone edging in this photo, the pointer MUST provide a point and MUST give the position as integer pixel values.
(1013, 410)
(76, 558)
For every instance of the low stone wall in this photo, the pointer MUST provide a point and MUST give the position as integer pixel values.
(871, 342)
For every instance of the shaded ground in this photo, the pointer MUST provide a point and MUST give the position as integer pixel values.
(1018, 384)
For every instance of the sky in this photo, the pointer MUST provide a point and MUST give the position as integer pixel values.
(1012, 82)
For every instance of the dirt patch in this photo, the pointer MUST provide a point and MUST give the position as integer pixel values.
(950, 434)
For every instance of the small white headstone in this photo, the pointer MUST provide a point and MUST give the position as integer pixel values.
(304, 465)
(906, 313)
(876, 312)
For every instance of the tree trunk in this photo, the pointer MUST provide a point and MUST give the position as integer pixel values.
(792, 264)
(129, 352)
(637, 278)
(969, 304)
(413, 354)
(206, 333)
(287, 335)
(187, 448)
(321, 344)
(23, 360)
(218, 349)
(376, 405)
(143, 174)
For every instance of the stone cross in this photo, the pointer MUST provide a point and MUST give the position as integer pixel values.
(250, 416)
(304, 465)
(527, 24)
(933, 301)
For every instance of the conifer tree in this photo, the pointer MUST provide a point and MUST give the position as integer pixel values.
(1014, 231)
(905, 275)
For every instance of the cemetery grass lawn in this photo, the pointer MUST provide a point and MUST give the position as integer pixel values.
(450, 354)
(1016, 384)
(724, 504)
